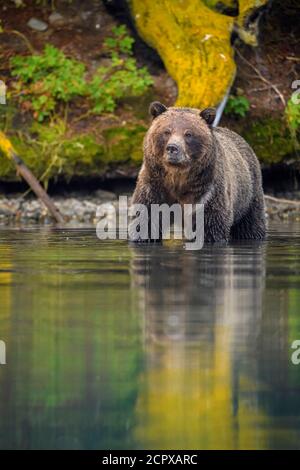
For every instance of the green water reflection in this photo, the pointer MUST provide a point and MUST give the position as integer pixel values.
(112, 346)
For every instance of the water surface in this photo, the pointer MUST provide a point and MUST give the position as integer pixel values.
(110, 346)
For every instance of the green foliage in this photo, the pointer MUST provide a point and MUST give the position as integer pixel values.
(120, 43)
(237, 106)
(121, 78)
(48, 78)
(270, 138)
(292, 114)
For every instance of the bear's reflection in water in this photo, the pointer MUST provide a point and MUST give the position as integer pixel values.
(185, 295)
(201, 317)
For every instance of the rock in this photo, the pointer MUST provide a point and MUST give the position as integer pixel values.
(97, 21)
(56, 19)
(105, 195)
(90, 207)
(37, 25)
(5, 210)
(91, 19)
(86, 15)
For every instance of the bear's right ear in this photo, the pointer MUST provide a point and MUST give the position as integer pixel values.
(156, 108)
(208, 115)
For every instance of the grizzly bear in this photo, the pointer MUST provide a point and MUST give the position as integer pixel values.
(188, 161)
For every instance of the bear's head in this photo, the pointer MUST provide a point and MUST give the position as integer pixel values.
(179, 138)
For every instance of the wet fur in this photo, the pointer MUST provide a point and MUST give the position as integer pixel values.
(224, 174)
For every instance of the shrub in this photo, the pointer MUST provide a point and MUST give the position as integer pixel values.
(121, 77)
(292, 114)
(50, 77)
(237, 106)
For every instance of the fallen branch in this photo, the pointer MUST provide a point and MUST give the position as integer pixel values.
(28, 176)
(276, 200)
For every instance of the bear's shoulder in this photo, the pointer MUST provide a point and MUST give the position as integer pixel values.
(227, 136)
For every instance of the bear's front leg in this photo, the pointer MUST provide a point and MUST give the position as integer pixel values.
(145, 228)
(217, 224)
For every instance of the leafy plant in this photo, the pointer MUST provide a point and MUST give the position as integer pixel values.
(49, 78)
(120, 43)
(292, 114)
(237, 106)
(121, 77)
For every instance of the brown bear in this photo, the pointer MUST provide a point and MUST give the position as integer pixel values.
(187, 160)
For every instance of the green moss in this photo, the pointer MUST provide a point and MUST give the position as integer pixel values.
(6, 167)
(124, 144)
(49, 151)
(270, 139)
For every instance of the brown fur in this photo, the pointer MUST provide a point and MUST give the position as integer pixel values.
(216, 167)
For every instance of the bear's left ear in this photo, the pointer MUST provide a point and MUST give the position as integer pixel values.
(208, 115)
(156, 108)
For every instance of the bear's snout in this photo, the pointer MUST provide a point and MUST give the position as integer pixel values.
(172, 149)
(174, 153)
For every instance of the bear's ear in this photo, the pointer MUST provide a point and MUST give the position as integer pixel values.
(156, 108)
(208, 115)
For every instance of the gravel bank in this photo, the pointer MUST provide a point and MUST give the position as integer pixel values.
(79, 210)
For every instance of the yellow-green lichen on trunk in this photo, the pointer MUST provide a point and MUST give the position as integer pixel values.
(194, 43)
(246, 8)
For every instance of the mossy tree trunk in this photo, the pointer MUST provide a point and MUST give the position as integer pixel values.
(194, 41)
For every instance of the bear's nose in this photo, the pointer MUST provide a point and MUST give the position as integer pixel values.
(172, 149)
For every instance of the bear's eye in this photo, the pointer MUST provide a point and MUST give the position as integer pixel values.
(167, 132)
(188, 134)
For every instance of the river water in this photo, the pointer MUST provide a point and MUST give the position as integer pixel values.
(110, 346)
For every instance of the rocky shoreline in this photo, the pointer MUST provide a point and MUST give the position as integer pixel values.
(79, 210)
(76, 210)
